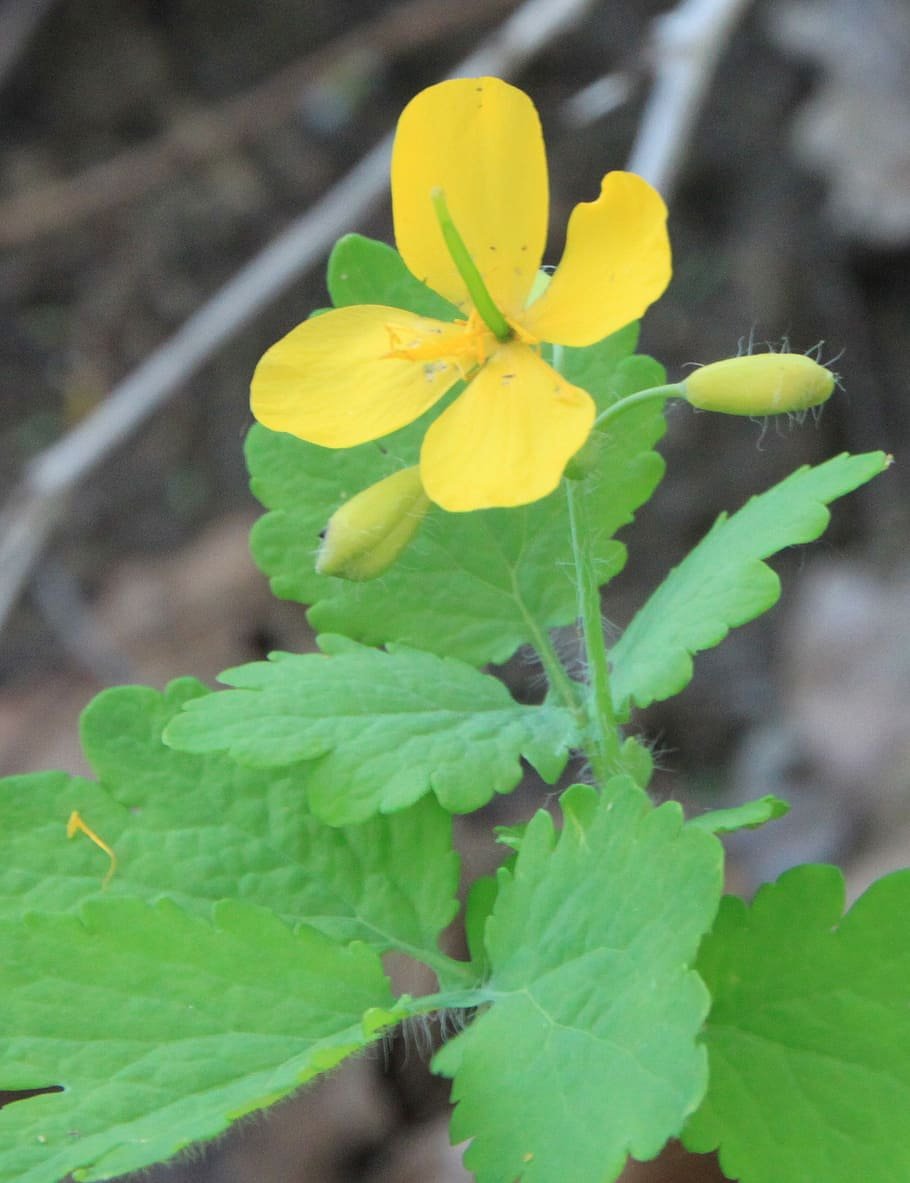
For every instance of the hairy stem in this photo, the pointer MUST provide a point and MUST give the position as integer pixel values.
(449, 972)
(653, 393)
(557, 678)
(604, 739)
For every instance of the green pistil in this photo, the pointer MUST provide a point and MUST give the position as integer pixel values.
(467, 269)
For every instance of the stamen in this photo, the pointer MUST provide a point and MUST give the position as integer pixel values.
(467, 269)
(75, 826)
(466, 345)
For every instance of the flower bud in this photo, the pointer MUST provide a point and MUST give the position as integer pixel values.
(759, 384)
(368, 533)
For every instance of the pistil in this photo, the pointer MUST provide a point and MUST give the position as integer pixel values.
(467, 269)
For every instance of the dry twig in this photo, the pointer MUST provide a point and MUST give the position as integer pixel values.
(685, 47)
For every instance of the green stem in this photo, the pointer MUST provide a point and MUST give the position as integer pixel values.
(555, 671)
(449, 971)
(556, 674)
(604, 737)
(467, 269)
(467, 999)
(661, 393)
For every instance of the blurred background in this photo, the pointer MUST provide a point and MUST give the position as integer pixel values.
(149, 149)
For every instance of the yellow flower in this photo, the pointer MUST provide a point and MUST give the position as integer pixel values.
(469, 159)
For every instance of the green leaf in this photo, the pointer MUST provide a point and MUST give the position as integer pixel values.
(588, 1051)
(364, 271)
(611, 369)
(476, 585)
(723, 583)
(378, 730)
(161, 1028)
(200, 828)
(741, 817)
(809, 1036)
(478, 906)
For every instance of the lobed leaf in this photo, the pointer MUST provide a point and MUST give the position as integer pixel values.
(748, 816)
(377, 730)
(611, 369)
(723, 582)
(588, 1051)
(364, 271)
(808, 1038)
(201, 828)
(159, 1028)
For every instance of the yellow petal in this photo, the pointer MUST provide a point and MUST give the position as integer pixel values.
(507, 439)
(616, 263)
(330, 381)
(479, 140)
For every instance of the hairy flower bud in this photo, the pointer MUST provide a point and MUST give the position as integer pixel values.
(759, 384)
(368, 533)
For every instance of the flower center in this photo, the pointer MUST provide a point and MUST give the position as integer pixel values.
(467, 344)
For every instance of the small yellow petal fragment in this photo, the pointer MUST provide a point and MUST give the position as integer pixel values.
(75, 826)
(761, 384)
(368, 533)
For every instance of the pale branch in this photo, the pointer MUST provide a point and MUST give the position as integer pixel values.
(685, 46)
(601, 97)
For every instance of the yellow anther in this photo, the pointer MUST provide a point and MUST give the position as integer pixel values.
(75, 826)
(465, 345)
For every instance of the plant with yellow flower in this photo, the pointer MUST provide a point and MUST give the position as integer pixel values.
(446, 456)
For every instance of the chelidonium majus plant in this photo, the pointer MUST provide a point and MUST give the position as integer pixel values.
(445, 458)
